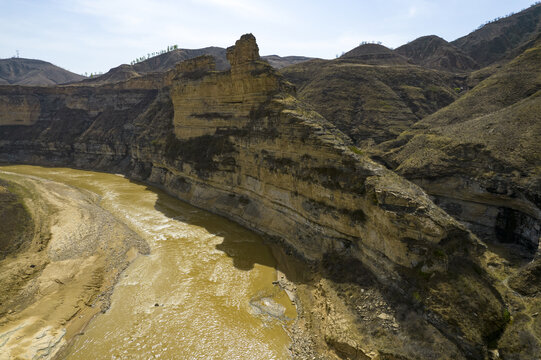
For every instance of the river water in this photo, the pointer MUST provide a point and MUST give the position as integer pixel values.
(204, 292)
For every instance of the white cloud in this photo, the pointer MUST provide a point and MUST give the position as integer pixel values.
(239, 7)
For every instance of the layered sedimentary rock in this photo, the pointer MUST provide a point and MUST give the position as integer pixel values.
(19, 109)
(287, 167)
(238, 143)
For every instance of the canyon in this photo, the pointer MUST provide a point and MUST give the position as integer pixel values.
(415, 240)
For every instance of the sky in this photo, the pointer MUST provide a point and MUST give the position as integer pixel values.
(95, 35)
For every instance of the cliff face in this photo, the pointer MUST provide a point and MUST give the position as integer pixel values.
(238, 143)
(243, 133)
(19, 109)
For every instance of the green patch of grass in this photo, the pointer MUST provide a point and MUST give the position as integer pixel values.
(356, 150)
(506, 316)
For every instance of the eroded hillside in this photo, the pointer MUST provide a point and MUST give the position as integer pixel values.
(19, 71)
(371, 93)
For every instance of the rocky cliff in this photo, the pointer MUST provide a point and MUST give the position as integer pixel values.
(240, 144)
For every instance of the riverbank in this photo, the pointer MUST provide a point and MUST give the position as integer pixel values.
(56, 281)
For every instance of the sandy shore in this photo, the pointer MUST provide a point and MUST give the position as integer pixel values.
(54, 282)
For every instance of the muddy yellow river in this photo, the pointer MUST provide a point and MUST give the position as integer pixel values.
(205, 291)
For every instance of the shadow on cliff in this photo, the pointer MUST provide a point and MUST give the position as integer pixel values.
(245, 247)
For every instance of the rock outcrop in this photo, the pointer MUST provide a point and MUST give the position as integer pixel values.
(19, 109)
(244, 133)
(240, 144)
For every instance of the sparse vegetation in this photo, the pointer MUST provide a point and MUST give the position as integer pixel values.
(153, 54)
(356, 150)
(370, 42)
(505, 16)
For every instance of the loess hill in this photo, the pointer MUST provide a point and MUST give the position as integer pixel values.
(503, 39)
(19, 71)
(372, 93)
(435, 53)
(166, 62)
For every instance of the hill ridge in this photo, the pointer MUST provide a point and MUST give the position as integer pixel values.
(497, 40)
(435, 52)
(22, 71)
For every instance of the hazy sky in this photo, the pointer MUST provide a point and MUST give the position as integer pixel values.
(95, 35)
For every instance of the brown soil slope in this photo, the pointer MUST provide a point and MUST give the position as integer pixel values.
(436, 53)
(19, 71)
(499, 40)
(372, 103)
